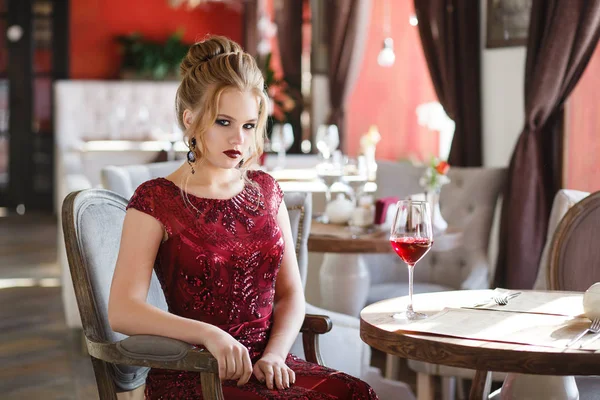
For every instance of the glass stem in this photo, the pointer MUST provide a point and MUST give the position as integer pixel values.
(410, 288)
(327, 196)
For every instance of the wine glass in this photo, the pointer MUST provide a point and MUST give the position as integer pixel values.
(356, 177)
(327, 140)
(282, 140)
(411, 238)
(329, 173)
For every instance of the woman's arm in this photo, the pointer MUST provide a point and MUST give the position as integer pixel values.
(130, 314)
(288, 314)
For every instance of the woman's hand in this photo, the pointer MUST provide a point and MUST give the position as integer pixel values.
(272, 370)
(232, 356)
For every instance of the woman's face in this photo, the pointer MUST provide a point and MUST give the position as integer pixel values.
(228, 141)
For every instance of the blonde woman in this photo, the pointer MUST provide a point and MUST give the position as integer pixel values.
(219, 238)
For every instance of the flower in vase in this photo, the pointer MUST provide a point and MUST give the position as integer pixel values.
(435, 175)
(281, 101)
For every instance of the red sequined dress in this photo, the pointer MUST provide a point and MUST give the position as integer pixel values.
(219, 265)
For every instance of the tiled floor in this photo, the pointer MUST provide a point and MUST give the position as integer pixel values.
(39, 357)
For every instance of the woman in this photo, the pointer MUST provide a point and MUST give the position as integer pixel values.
(219, 238)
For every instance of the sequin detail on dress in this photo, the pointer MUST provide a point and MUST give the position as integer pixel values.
(219, 265)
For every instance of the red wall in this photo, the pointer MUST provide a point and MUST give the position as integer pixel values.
(95, 23)
(388, 97)
(582, 130)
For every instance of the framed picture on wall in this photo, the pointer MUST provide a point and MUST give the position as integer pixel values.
(507, 22)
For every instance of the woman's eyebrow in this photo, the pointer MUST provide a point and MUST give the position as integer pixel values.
(233, 119)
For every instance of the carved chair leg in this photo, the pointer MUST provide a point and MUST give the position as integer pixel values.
(211, 386)
(480, 388)
(425, 386)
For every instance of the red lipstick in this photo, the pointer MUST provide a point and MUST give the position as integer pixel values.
(232, 153)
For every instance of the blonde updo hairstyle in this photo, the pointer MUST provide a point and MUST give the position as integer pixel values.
(210, 67)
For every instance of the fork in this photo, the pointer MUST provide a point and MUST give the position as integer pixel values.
(500, 299)
(594, 328)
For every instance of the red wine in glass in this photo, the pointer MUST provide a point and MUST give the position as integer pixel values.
(411, 249)
(411, 238)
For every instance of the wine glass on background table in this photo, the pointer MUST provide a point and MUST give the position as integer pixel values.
(411, 238)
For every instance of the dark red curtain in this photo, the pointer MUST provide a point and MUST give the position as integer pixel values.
(288, 17)
(348, 23)
(449, 31)
(562, 38)
(250, 22)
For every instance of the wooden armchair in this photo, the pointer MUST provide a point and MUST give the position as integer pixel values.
(92, 220)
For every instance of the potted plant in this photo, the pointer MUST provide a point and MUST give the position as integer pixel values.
(146, 59)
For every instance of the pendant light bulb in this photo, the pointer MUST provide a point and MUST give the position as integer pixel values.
(386, 56)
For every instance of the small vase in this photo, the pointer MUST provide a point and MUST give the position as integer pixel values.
(437, 220)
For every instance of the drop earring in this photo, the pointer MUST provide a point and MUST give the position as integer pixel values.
(191, 156)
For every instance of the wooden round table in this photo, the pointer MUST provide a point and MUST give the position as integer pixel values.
(344, 276)
(381, 331)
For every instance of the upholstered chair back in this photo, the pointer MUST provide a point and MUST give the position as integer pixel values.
(468, 204)
(125, 179)
(574, 254)
(564, 200)
(95, 229)
(299, 208)
(400, 179)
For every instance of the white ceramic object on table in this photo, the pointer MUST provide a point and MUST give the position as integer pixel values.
(591, 301)
(339, 211)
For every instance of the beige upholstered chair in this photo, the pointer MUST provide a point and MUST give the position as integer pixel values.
(92, 221)
(468, 204)
(574, 258)
(564, 200)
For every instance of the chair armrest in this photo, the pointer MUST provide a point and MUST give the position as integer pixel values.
(313, 326)
(318, 324)
(164, 353)
(155, 352)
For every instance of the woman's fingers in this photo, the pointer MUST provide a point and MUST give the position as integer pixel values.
(231, 365)
(222, 367)
(246, 368)
(277, 376)
(269, 375)
(260, 375)
(285, 377)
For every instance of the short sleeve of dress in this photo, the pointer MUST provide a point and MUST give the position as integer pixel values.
(270, 188)
(145, 199)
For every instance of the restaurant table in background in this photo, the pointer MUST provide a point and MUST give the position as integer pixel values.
(306, 180)
(561, 311)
